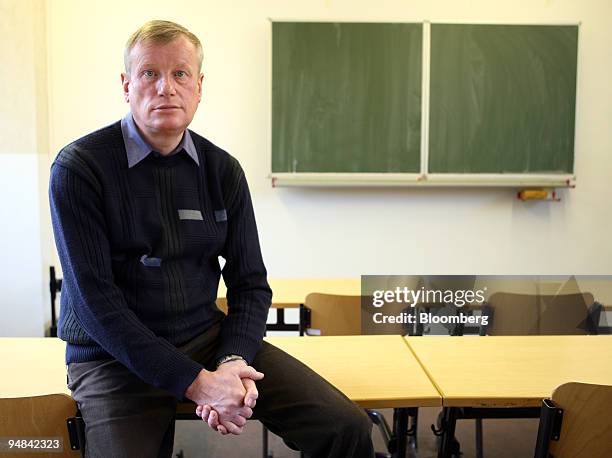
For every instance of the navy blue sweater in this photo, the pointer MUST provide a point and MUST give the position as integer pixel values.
(139, 250)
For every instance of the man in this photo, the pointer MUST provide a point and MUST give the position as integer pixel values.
(142, 210)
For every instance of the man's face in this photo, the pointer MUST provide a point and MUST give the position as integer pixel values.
(164, 86)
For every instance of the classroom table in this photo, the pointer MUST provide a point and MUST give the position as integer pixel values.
(478, 375)
(287, 293)
(291, 292)
(483, 374)
(374, 371)
(32, 366)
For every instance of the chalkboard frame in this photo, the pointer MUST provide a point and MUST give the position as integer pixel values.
(424, 178)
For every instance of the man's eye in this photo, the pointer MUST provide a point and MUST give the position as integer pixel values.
(148, 73)
(181, 74)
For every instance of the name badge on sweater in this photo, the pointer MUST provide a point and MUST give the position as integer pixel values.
(195, 215)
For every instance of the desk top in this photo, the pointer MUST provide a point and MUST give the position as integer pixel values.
(291, 292)
(32, 366)
(383, 372)
(511, 371)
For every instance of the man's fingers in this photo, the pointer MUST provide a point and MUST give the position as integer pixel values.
(200, 409)
(231, 427)
(250, 398)
(213, 420)
(239, 421)
(250, 372)
(204, 412)
(245, 412)
(225, 427)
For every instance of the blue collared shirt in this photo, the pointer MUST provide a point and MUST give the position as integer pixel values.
(137, 148)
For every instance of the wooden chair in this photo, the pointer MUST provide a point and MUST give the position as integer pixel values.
(576, 422)
(339, 315)
(537, 314)
(39, 417)
(333, 315)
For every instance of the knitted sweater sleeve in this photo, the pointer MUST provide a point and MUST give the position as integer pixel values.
(100, 308)
(248, 293)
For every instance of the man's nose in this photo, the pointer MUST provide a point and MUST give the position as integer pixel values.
(165, 86)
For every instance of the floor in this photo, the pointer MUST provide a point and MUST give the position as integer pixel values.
(502, 439)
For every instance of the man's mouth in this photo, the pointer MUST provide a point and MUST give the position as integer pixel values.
(166, 107)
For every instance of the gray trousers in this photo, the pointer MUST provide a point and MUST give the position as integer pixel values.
(126, 417)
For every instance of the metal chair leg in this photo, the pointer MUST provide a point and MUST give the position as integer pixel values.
(479, 448)
(414, 427)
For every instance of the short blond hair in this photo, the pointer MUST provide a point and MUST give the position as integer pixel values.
(161, 32)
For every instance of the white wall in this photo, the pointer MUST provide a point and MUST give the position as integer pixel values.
(353, 232)
(24, 249)
(319, 233)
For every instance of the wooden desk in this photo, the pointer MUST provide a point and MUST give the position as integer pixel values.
(32, 366)
(506, 376)
(373, 371)
(511, 371)
(291, 292)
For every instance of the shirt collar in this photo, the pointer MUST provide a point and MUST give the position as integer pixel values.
(137, 148)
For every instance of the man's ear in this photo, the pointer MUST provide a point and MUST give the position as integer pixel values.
(200, 80)
(125, 82)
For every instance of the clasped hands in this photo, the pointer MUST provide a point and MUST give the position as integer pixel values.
(226, 397)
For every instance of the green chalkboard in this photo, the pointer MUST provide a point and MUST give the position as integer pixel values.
(346, 97)
(502, 98)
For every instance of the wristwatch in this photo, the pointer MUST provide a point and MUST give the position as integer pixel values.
(228, 358)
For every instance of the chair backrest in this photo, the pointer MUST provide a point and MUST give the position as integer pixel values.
(39, 417)
(536, 314)
(587, 424)
(565, 314)
(334, 315)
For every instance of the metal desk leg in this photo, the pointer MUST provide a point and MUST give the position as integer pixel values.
(448, 444)
(479, 446)
(264, 440)
(400, 432)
